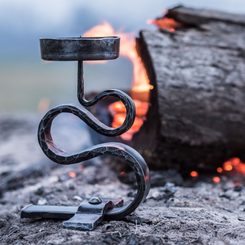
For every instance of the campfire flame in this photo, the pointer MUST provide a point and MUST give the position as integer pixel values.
(140, 83)
(165, 23)
(141, 87)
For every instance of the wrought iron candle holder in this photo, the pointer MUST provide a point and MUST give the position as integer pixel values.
(89, 213)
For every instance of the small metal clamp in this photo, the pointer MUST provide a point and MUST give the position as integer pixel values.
(85, 217)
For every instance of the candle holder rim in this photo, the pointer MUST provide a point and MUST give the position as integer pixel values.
(80, 48)
(80, 38)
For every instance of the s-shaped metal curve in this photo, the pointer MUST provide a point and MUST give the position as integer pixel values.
(134, 159)
(93, 121)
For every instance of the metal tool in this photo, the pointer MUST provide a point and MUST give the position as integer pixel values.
(89, 213)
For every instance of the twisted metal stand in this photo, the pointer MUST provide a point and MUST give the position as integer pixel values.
(86, 49)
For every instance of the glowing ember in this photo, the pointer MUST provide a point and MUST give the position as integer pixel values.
(216, 179)
(220, 170)
(72, 174)
(167, 24)
(227, 166)
(140, 85)
(194, 174)
(241, 168)
(234, 164)
(122, 173)
(235, 161)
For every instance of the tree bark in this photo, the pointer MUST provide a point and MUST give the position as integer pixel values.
(197, 107)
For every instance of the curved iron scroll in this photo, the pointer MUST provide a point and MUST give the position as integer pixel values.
(134, 159)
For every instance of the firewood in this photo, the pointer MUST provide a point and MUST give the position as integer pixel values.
(196, 118)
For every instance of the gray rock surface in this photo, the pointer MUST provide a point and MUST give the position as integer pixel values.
(202, 213)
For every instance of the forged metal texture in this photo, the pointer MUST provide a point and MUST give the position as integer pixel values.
(48, 212)
(133, 158)
(58, 212)
(88, 216)
(107, 48)
(80, 48)
(94, 122)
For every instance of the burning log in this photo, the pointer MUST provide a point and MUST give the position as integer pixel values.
(196, 118)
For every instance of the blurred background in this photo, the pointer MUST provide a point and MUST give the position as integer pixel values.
(26, 79)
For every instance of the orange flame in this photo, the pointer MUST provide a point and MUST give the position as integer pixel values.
(140, 84)
(165, 23)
